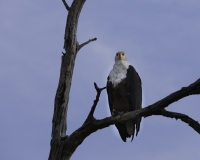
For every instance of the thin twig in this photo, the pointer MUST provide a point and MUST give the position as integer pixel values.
(90, 115)
(66, 5)
(83, 44)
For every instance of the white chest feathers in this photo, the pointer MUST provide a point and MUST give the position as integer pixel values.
(118, 72)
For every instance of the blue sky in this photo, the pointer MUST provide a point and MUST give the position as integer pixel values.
(161, 39)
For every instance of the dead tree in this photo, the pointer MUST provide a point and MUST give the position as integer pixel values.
(62, 145)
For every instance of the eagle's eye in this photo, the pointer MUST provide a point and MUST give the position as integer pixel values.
(122, 54)
(117, 54)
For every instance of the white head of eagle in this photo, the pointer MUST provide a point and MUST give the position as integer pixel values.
(124, 90)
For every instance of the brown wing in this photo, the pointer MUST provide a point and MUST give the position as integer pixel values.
(109, 89)
(121, 127)
(134, 87)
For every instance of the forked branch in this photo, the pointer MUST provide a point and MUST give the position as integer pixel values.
(66, 5)
(90, 115)
(78, 136)
(183, 117)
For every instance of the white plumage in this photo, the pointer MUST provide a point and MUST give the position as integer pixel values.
(118, 72)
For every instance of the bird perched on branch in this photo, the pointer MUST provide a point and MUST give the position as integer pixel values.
(124, 90)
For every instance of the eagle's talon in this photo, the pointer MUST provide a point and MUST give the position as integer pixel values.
(121, 113)
(114, 112)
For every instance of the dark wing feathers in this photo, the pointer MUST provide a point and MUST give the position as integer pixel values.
(121, 127)
(134, 87)
(110, 99)
(122, 131)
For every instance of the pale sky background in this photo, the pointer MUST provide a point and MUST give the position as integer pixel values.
(162, 41)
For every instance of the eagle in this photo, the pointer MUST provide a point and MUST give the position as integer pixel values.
(124, 89)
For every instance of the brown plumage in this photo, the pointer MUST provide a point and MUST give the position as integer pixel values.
(119, 96)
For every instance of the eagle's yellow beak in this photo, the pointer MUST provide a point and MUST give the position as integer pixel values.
(120, 56)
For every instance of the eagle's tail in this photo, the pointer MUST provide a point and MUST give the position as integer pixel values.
(130, 126)
(138, 120)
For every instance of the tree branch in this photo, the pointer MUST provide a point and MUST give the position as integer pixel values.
(90, 115)
(78, 136)
(183, 117)
(83, 44)
(192, 89)
(66, 5)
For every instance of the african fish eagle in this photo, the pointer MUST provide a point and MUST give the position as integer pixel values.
(124, 90)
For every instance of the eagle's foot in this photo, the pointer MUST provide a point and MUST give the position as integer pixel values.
(115, 112)
(121, 113)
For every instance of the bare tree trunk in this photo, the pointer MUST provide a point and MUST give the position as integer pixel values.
(67, 66)
(63, 146)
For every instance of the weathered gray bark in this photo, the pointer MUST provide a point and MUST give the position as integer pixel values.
(71, 47)
(63, 146)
